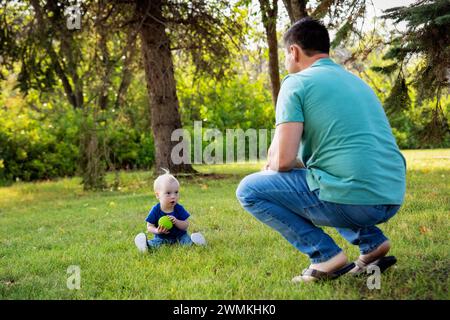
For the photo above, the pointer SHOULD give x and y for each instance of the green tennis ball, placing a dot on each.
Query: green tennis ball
(165, 222)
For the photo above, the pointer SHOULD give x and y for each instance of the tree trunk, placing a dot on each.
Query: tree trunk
(273, 62)
(296, 9)
(269, 19)
(159, 71)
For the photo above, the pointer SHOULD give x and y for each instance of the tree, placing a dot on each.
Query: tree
(199, 27)
(161, 85)
(83, 63)
(86, 63)
(427, 37)
(296, 9)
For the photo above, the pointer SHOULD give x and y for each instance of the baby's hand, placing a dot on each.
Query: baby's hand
(173, 219)
(162, 230)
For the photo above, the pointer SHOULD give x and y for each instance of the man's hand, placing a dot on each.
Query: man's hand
(299, 164)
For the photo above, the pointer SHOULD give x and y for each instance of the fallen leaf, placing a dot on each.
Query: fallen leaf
(423, 229)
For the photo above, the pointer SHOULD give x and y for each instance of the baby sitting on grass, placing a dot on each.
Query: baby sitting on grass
(166, 188)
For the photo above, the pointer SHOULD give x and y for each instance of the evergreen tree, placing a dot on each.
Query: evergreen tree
(428, 37)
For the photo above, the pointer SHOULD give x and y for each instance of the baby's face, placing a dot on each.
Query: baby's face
(168, 195)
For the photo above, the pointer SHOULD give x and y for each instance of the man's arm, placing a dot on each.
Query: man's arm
(282, 154)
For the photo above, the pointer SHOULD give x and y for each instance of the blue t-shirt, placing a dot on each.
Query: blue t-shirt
(347, 145)
(178, 212)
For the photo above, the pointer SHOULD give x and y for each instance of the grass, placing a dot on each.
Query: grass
(47, 226)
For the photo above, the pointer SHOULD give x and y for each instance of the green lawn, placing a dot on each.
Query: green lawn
(45, 227)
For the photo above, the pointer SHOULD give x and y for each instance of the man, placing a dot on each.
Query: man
(351, 175)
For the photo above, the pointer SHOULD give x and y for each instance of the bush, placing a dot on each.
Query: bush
(35, 147)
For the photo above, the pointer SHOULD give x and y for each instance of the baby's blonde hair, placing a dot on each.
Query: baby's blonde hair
(164, 178)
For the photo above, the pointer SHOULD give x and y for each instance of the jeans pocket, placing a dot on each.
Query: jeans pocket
(362, 215)
(327, 214)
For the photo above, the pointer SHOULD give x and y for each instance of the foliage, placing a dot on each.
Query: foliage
(408, 114)
(426, 38)
(236, 102)
(205, 33)
(41, 133)
(32, 147)
(43, 140)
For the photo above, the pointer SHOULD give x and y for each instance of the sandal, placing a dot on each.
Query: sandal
(321, 275)
(382, 263)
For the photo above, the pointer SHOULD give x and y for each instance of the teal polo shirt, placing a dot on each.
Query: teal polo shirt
(347, 144)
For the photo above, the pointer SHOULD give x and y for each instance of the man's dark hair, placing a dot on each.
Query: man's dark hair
(310, 35)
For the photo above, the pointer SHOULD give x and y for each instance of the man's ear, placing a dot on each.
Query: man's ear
(296, 52)
(292, 50)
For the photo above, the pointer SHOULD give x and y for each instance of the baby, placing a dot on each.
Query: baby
(166, 189)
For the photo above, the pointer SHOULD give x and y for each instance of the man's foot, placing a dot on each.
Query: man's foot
(141, 242)
(198, 239)
(331, 268)
(371, 257)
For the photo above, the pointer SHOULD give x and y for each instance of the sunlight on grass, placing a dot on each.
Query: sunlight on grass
(8, 194)
(232, 168)
(427, 160)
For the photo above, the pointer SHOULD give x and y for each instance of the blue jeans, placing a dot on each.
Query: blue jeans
(156, 242)
(283, 201)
